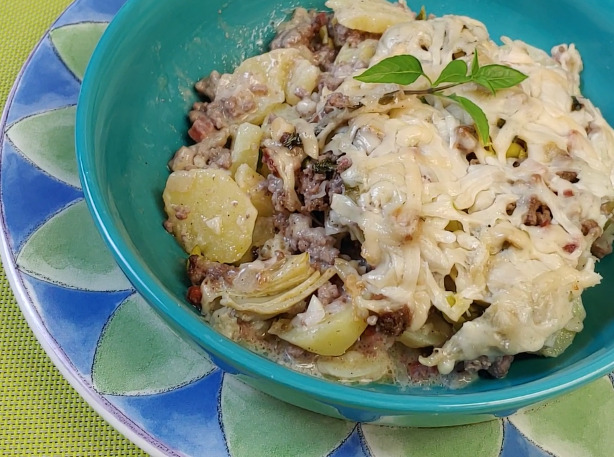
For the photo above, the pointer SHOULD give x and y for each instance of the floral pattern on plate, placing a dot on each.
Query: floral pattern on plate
(157, 389)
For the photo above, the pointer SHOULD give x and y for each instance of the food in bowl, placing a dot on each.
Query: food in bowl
(377, 231)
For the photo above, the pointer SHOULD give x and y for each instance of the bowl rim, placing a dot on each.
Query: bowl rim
(508, 398)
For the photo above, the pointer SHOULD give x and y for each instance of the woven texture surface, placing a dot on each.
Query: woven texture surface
(40, 413)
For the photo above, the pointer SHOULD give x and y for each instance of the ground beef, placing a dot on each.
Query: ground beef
(302, 30)
(200, 269)
(275, 186)
(500, 366)
(371, 341)
(330, 81)
(591, 228)
(394, 323)
(202, 126)
(312, 187)
(325, 58)
(227, 111)
(328, 293)
(211, 152)
(419, 373)
(496, 367)
(195, 296)
(318, 180)
(339, 101)
(342, 35)
(570, 176)
(601, 247)
(343, 163)
(538, 213)
(208, 86)
(467, 142)
(305, 31)
(335, 186)
(302, 237)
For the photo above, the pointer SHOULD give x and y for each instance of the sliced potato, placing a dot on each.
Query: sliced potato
(303, 79)
(354, 366)
(351, 54)
(245, 146)
(434, 332)
(373, 16)
(271, 277)
(270, 70)
(332, 336)
(264, 230)
(272, 305)
(207, 209)
(252, 183)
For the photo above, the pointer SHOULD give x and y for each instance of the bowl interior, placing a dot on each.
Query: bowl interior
(132, 117)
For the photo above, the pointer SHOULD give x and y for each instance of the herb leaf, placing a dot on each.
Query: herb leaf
(478, 116)
(454, 72)
(484, 82)
(475, 64)
(498, 76)
(403, 70)
(421, 16)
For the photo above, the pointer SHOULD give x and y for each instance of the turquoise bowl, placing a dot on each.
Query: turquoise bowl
(131, 117)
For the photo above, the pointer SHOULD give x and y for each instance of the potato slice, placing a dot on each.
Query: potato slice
(354, 366)
(245, 146)
(271, 305)
(252, 183)
(434, 332)
(206, 208)
(332, 336)
(302, 80)
(271, 71)
(373, 16)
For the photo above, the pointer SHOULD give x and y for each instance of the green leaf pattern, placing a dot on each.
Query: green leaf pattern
(68, 250)
(258, 425)
(48, 140)
(435, 442)
(138, 354)
(578, 424)
(75, 44)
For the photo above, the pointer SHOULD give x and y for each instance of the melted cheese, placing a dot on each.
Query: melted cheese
(410, 181)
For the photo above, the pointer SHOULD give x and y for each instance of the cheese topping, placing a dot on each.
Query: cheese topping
(425, 214)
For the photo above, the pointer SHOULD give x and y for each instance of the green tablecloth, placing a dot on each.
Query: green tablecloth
(40, 413)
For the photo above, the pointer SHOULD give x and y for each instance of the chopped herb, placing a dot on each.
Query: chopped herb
(322, 166)
(421, 16)
(386, 99)
(289, 140)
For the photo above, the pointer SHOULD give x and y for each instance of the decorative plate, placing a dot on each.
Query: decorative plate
(141, 377)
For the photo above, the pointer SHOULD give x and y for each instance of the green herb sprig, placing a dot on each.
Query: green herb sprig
(406, 69)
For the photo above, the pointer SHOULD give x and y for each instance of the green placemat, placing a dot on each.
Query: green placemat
(40, 413)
